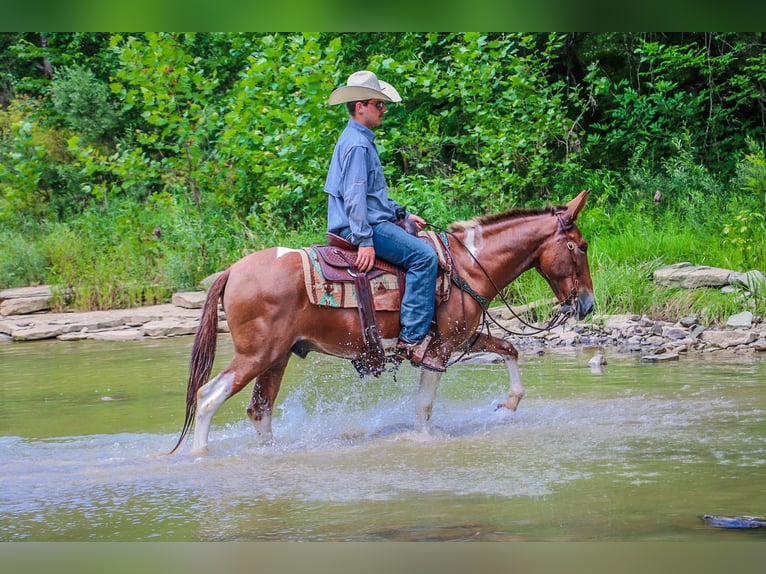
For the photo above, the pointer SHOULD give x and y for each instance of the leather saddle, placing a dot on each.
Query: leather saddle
(336, 259)
(337, 262)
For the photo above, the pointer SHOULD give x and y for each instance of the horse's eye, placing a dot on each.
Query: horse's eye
(584, 247)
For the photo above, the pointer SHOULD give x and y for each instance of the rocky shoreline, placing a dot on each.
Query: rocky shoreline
(652, 339)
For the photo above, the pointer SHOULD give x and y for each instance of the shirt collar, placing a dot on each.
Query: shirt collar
(365, 131)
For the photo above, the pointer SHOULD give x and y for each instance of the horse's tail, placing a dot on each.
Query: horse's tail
(203, 352)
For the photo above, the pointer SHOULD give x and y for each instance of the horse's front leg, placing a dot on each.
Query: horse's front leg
(510, 355)
(424, 400)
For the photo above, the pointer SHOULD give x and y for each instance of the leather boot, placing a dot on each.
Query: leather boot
(416, 354)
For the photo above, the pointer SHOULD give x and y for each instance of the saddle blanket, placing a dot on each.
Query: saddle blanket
(385, 287)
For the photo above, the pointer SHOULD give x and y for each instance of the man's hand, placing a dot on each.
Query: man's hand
(365, 258)
(419, 221)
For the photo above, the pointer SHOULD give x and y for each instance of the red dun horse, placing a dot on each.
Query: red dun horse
(270, 316)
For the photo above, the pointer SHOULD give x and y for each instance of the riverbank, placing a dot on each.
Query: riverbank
(653, 339)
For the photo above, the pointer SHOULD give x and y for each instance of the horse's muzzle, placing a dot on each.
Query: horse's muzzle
(579, 306)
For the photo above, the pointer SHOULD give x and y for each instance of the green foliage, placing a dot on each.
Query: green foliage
(132, 254)
(279, 132)
(83, 103)
(221, 141)
(23, 260)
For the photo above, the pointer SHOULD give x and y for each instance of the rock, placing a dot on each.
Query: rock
(689, 276)
(674, 333)
(38, 332)
(121, 335)
(597, 361)
(725, 339)
(661, 357)
(26, 292)
(754, 281)
(696, 331)
(23, 300)
(740, 320)
(688, 321)
(170, 328)
(189, 299)
(24, 305)
(209, 280)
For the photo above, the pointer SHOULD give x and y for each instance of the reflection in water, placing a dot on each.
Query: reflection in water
(636, 452)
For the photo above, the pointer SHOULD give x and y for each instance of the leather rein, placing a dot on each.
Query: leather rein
(558, 318)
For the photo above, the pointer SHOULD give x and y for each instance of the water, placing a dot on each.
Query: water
(637, 452)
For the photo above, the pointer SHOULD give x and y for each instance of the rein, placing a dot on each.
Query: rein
(558, 318)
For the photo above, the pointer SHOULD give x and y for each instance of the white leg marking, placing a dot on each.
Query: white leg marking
(210, 397)
(424, 400)
(263, 428)
(516, 390)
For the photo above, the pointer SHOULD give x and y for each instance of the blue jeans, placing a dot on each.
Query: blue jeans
(395, 245)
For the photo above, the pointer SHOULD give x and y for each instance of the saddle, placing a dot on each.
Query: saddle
(336, 260)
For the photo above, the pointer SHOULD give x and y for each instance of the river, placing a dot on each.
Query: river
(636, 452)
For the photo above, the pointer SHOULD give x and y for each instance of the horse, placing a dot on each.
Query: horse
(270, 316)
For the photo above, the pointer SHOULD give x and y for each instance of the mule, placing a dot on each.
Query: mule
(270, 316)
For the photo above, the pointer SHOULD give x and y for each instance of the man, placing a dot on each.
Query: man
(360, 211)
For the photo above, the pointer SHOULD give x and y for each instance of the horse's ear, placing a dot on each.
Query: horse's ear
(575, 206)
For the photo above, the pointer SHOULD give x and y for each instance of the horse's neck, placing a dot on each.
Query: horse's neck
(504, 249)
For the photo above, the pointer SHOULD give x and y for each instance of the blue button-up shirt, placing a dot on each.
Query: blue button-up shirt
(356, 187)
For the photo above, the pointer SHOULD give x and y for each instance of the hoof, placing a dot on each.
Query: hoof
(199, 451)
(512, 404)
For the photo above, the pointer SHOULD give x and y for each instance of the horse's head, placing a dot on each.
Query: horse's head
(563, 261)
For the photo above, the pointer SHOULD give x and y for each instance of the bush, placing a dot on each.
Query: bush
(83, 103)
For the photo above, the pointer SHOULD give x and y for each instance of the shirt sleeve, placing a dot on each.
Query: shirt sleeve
(354, 190)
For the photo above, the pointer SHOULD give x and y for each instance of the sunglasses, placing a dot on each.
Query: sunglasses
(378, 105)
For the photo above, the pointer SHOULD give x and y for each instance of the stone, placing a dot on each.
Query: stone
(169, 328)
(209, 280)
(661, 357)
(753, 280)
(38, 332)
(120, 335)
(597, 361)
(688, 276)
(740, 320)
(674, 332)
(24, 305)
(26, 292)
(189, 299)
(688, 321)
(696, 331)
(725, 339)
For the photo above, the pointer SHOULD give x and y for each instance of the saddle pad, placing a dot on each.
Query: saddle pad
(342, 294)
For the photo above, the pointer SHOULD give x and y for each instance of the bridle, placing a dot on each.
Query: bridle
(559, 317)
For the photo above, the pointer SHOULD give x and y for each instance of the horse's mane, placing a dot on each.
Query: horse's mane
(509, 214)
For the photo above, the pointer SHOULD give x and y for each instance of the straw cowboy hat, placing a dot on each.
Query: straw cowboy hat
(364, 85)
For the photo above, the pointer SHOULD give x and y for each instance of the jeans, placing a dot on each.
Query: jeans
(395, 245)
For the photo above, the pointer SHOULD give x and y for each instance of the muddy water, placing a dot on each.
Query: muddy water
(636, 452)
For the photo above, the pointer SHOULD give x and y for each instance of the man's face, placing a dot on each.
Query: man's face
(370, 114)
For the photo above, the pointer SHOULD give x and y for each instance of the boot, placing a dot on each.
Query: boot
(416, 354)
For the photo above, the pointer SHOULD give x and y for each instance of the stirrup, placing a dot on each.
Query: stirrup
(416, 354)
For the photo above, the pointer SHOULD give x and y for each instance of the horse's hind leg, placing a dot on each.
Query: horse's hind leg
(210, 397)
(510, 355)
(214, 393)
(264, 396)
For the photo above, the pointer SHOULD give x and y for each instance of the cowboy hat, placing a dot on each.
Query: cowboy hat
(364, 85)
